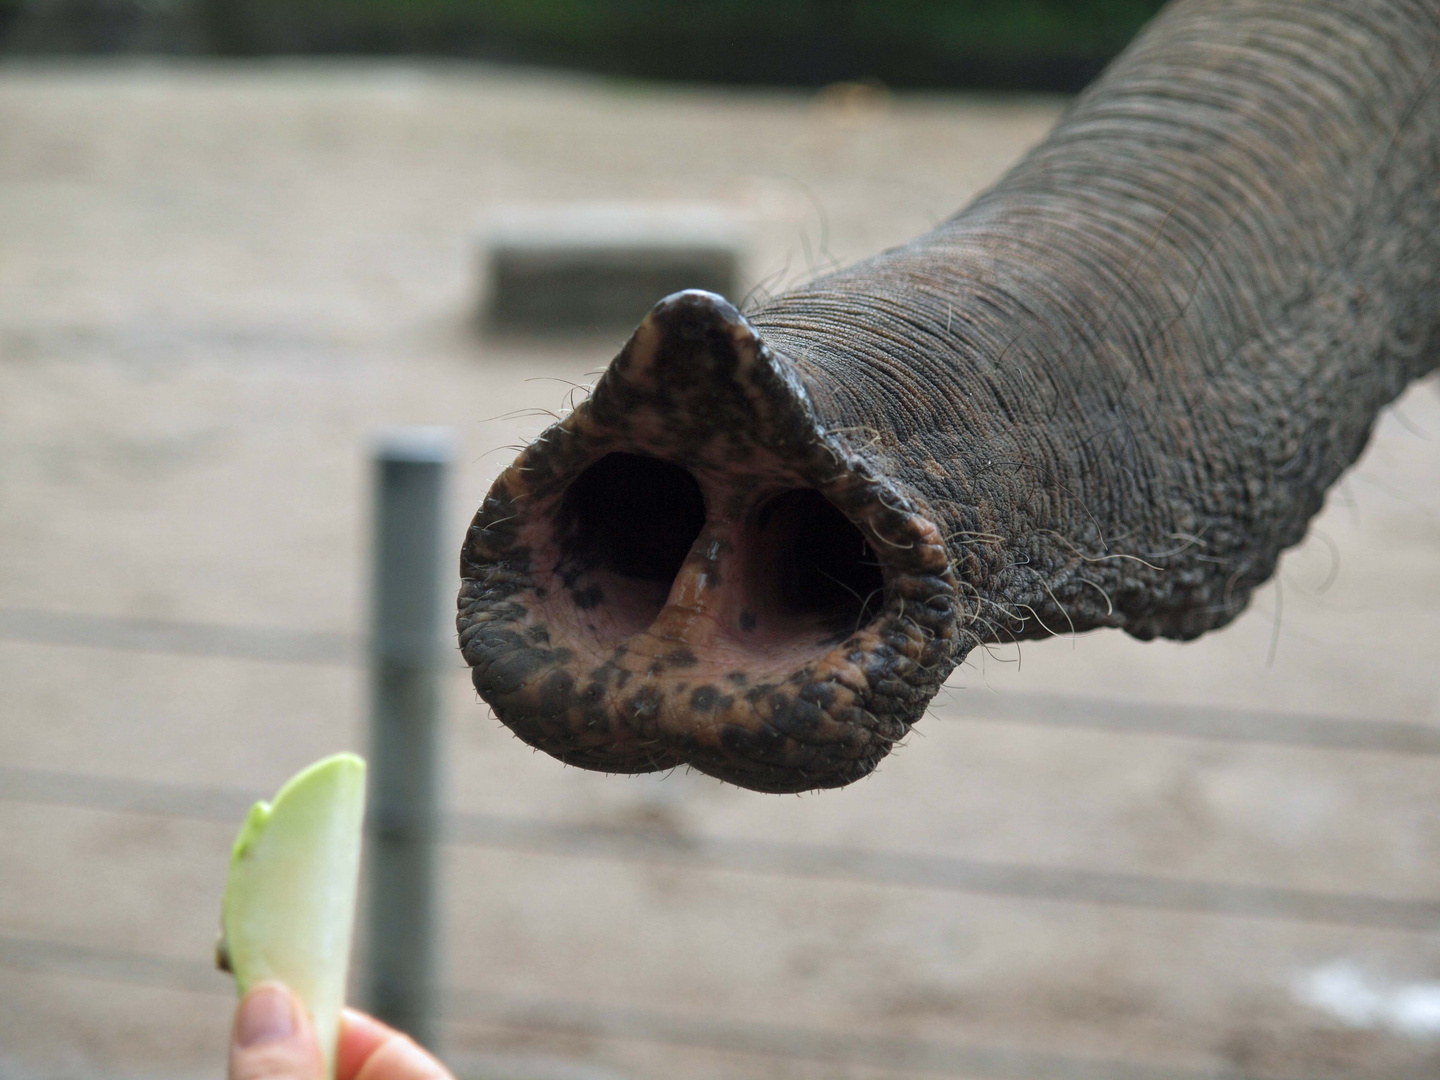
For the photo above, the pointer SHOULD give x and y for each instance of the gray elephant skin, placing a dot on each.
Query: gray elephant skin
(1110, 392)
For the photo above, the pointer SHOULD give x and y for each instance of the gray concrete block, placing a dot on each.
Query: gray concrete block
(600, 267)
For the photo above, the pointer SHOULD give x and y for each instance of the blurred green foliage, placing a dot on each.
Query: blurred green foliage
(1039, 44)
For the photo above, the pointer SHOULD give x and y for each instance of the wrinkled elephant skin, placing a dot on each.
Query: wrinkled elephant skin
(1108, 393)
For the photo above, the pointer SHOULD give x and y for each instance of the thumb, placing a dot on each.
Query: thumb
(272, 1039)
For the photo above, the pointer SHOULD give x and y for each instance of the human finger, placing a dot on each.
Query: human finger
(370, 1050)
(272, 1039)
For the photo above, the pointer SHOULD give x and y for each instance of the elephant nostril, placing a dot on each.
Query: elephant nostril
(625, 525)
(623, 529)
(808, 565)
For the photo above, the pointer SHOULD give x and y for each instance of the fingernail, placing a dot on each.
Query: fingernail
(266, 1015)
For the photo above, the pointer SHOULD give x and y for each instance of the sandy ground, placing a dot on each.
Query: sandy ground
(216, 283)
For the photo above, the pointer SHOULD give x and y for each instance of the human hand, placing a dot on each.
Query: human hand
(272, 1039)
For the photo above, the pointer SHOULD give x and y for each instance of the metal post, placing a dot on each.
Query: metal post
(411, 467)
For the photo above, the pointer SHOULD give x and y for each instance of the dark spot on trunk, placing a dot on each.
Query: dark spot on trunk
(587, 598)
(708, 699)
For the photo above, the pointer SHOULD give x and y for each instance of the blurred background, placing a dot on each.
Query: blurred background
(1012, 44)
(226, 262)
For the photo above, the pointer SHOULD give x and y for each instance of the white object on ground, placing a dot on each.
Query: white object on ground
(1360, 1000)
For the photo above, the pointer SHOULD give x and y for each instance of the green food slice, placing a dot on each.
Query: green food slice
(289, 906)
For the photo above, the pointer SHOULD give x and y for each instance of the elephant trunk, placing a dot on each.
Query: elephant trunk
(1109, 393)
